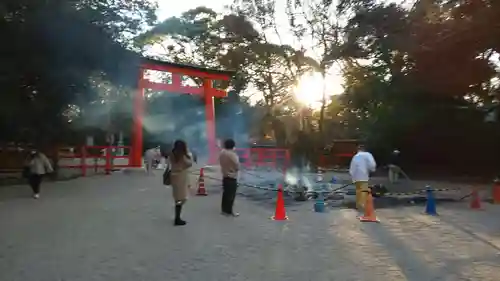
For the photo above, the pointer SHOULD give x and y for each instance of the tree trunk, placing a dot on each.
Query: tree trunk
(323, 104)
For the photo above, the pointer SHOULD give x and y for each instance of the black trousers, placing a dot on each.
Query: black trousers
(35, 182)
(229, 186)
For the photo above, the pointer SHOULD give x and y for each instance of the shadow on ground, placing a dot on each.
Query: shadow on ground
(395, 202)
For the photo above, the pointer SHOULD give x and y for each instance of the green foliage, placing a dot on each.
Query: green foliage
(202, 37)
(423, 73)
(54, 48)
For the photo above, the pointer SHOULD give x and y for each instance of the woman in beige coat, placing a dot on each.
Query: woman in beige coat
(180, 162)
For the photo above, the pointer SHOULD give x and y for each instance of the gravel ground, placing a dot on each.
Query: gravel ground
(120, 228)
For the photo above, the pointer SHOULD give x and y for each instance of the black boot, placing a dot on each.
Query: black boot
(178, 221)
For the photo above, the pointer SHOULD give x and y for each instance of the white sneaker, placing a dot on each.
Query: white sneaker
(36, 196)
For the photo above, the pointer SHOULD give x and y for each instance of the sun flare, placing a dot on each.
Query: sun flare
(309, 90)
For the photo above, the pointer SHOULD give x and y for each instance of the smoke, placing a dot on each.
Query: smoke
(234, 122)
(181, 116)
(170, 116)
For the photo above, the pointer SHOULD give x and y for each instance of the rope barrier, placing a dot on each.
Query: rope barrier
(239, 183)
(466, 196)
(420, 191)
(252, 174)
(271, 189)
(332, 191)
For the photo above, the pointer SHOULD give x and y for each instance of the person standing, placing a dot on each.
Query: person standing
(362, 164)
(230, 165)
(194, 159)
(394, 167)
(180, 162)
(37, 165)
(150, 156)
(300, 152)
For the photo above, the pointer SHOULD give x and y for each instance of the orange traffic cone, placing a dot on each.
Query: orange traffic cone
(475, 202)
(201, 184)
(280, 213)
(369, 215)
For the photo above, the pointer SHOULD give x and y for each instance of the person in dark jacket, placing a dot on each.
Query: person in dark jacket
(394, 167)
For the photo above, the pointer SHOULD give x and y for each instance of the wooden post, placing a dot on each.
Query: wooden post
(210, 119)
(136, 153)
(107, 150)
(83, 161)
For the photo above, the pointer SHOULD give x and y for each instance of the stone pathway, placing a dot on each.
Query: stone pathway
(119, 228)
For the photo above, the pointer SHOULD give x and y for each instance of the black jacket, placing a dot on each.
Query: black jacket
(395, 160)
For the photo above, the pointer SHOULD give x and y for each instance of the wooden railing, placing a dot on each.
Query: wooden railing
(98, 154)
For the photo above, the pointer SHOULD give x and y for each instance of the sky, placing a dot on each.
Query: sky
(167, 8)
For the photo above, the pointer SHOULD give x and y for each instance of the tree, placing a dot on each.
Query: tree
(54, 49)
(322, 22)
(420, 78)
(202, 37)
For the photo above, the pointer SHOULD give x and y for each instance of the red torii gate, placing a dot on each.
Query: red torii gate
(177, 71)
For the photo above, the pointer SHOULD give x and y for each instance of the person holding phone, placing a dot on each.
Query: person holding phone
(180, 161)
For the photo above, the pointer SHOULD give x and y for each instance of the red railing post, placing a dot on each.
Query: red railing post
(275, 158)
(248, 156)
(129, 158)
(210, 120)
(83, 161)
(259, 157)
(107, 168)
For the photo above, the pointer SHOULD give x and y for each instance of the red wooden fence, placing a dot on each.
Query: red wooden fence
(97, 152)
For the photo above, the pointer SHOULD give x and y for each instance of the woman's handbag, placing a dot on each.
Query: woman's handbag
(167, 175)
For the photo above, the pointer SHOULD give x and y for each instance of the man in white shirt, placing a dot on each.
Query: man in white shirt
(362, 164)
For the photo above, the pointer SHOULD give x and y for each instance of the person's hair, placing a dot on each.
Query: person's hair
(361, 147)
(179, 150)
(229, 144)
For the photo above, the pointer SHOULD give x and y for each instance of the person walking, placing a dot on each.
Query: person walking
(36, 166)
(179, 161)
(394, 167)
(362, 164)
(230, 165)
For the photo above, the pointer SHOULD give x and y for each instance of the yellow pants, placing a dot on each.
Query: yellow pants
(360, 195)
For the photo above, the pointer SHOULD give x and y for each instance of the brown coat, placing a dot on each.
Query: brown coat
(180, 177)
